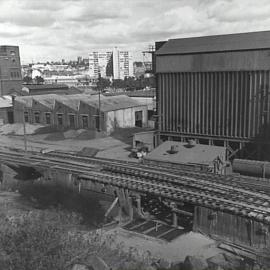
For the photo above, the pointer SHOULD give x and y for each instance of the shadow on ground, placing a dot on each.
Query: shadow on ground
(47, 196)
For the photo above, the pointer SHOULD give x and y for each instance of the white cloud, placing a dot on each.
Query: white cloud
(55, 29)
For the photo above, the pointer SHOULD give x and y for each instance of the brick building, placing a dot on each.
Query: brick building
(10, 70)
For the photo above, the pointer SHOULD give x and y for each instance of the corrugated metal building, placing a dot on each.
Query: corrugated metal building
(187, 156)
(80, 111)
(43, 89)
(215, 89)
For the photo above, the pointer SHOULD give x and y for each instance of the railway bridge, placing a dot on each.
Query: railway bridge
(233, 207)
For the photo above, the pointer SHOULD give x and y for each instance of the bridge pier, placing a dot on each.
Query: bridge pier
(125, 204)
(174, 214)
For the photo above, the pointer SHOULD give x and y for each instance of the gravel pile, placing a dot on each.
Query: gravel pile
(18, 129)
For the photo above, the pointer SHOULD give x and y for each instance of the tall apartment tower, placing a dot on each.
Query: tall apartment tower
(122, 64)
(10, 70)
(98, 62)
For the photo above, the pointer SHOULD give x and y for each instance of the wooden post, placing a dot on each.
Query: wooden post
(130, 208)
(139, 206)
(175, 220)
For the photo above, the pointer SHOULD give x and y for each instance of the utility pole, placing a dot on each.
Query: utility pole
(24, 132)
(99, 110)
(99, 103)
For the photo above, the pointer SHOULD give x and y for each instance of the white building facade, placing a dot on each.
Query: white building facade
(98, 61)
(122, 64)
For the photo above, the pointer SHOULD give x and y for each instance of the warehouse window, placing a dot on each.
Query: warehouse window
(84, 121)
(151, 114)
(26, 117)
(60, 119)
(72, 120)
(37, 117)
(48, 118)
(138, 119)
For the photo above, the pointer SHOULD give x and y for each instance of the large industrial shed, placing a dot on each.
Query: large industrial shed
(216, 89)
(81, 111)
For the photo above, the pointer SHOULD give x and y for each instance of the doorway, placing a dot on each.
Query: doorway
(138, 119)
(10, 117)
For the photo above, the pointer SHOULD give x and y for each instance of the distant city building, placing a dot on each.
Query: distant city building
(68, 80)
(122, 64)
(98, 62)
(79, 60)
(117, 64)
(10, 70)
(139, 69)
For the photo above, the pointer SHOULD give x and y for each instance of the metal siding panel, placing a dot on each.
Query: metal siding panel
(215, 116)
(204, 83)
(231, 112)
(268, 98)
(253, 102)
(212, 62)
(177, 101)
(211, 103)
(166, 101)
(199, 103)
(192, 107)
(219, 93)
(233, 108)
(250, 105)
(207, 104)
(245, 98)
(170, 108)
(188, 102)
(257, 101)
(236, 83)
(183, 103)
(196, 103)
(163, 102)
(224, 95)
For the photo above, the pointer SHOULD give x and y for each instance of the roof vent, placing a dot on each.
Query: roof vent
(190, 144)
(173, 150)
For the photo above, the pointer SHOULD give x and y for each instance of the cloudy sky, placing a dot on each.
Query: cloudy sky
(56, 29)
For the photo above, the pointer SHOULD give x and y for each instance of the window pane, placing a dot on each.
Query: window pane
(85, 121)
(72, 120)
(26, 118)
(48, 118)
(60, 119)
(37, 118)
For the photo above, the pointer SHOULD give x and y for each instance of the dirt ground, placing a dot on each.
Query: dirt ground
(108, 147)
(191, 243)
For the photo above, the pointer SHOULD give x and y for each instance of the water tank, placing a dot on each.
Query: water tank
(252, 167)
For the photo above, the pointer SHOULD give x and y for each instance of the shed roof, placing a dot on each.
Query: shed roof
(45, 86)
(46, 100)
(198, 154)
(217, 43)
(73, 102)
(26, 100)
(5, 101)
(113, 103)
(137, 93)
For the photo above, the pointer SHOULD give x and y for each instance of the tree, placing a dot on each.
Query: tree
(27, 80)
(103, 83)
(118, 83)
(39, 80)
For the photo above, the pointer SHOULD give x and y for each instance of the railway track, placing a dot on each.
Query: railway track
(244, 182)
(212, 191)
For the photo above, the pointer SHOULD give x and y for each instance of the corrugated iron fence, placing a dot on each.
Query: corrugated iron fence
(227, 104)
(232, 228)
